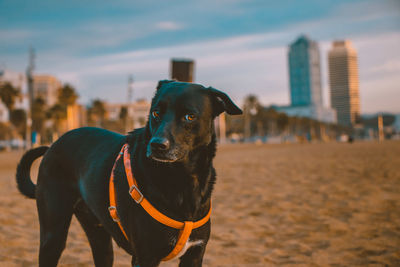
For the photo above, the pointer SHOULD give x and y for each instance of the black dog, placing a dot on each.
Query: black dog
(171, 159)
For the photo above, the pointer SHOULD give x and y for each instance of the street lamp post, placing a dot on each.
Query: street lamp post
(29, 75)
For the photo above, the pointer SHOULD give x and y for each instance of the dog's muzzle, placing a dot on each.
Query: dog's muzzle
(159, 144)
(159, 149)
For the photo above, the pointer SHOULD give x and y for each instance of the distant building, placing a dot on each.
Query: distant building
(47, 88)
(396, 124)
(182, 70)
(76, 117)
(319, 113)
(305, 72)
(305, 82)
(137, 112)
(343, 81)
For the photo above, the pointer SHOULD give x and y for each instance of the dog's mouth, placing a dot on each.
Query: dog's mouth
(162, 156)
(165, 160)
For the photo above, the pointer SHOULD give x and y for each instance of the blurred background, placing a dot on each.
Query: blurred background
(309, 175)
(309, 70)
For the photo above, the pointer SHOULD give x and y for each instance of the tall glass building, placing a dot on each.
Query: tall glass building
(305, 73)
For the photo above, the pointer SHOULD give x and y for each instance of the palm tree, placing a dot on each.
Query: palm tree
(251, 109)
(8, 95)
(270, 117)
(123, 117)
(97, 112)
(67, 95)
(282, 122)
(18, 119)
(5, 131)
(57, 114)
(38, 114)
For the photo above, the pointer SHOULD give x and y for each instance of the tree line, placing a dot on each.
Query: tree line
(41, 113)
(257, 121)
(262, 122)
(49, 121)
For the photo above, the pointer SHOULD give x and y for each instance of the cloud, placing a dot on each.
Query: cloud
(11, 36)
(238, 65)
(169, 26)
(234, 64)
(390, 66)
(246, 64)
(100, 54)
(379, 68)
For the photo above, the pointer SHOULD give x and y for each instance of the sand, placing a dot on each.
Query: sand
(274, 205)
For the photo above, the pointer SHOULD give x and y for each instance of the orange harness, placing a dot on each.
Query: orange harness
(184, 227)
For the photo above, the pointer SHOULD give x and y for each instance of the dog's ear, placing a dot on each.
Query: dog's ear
(222, 102)
(162, 82)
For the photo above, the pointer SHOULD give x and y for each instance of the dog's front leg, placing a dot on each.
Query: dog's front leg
(144, 263)
(193, 257)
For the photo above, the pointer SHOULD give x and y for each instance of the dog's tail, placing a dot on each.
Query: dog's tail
(24, 181)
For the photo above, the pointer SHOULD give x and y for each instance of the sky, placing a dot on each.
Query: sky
(239, 46)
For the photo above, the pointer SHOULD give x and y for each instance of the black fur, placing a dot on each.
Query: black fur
(171, 161)
(24, 182)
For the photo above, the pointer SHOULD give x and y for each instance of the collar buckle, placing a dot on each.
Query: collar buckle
(113, 213)
(136, 194)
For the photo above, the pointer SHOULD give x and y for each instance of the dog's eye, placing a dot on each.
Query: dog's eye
(190, 117)
(155, 114)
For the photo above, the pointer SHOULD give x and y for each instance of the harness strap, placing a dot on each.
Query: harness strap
(113, 204)
(183, 237)
(184, 227)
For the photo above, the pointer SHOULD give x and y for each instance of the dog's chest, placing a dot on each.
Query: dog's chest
(189, 243)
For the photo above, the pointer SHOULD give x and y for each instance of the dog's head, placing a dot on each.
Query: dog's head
(181, 119)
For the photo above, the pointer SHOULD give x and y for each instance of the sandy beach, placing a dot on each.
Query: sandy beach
(330, 204)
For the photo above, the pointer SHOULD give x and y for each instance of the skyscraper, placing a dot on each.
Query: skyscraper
(343, 80)
(182, 70)
(305, 82)
(305, 73)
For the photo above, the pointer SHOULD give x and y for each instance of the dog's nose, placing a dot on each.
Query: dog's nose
(159, 143)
